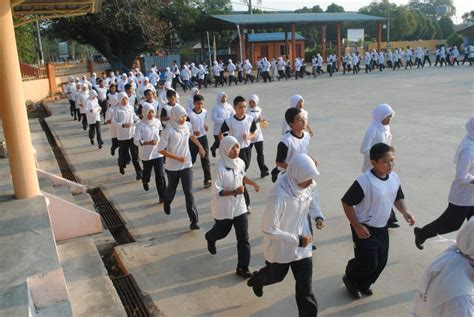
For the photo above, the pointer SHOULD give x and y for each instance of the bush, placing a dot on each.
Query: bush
(455, 40)
(187, 55)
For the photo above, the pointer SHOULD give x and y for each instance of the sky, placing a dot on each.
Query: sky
(462, 6)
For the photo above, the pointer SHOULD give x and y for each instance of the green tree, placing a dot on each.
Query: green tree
(447, 27)
(331, 30)
(468, 17)
(25, 43)
(429, 7)
(454, 40)
(312, 35)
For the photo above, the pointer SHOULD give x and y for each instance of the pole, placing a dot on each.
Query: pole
(40, 46)
(339, 53)
(240, 42)
(250, 6)
(214, 45)
(209, 49)
(388, 26)
(13, 112)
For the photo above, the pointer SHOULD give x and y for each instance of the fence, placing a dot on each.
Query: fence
(41, 82)
(161, 62)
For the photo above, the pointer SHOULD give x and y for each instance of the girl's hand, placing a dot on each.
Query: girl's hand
(319, 224)
(181, 159)
(257, 188)
(409, 218)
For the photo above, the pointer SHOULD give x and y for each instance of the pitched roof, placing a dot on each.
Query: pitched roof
(275, 20)
(271, 37)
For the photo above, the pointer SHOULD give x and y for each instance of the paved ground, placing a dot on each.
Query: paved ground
(172, 265)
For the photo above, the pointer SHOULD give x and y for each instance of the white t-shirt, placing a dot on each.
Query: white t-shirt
(256, 114)
(462, 191)
(379, 196)
(237, 128)
(228, 207)
(295, 145)
(146, 133)
(124, 115)
(178, 144)
(92, 110)
(198, 120)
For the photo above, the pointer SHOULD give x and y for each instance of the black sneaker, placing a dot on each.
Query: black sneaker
(213, 152)
(314, 247)
(194, 226)
(207, 184)
(264, 174)
(138, 177)
(244, 272)
(112, 151)
(418, 239)
(355, 293)
(160, 201)
(211, 247)
(166, 208)
(92, 141)
(122, 170)
(100, 145)
(367, 291)
(145, 186)
(258, 290)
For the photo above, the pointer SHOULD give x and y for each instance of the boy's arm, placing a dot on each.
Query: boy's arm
(361, 230)
(402, 208)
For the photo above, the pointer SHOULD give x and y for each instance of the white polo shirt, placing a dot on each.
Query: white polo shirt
(178, 144)
(198, 121)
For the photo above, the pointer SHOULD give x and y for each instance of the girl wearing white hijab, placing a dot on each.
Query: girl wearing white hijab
(190, 103)
(147, 138)
(461, 194)
(378, 132)
(174, 144)
(255, 112)
(228, 204)
(297, 101)
(93, 110)
(286, 233)
(446, 288)
(219, 113)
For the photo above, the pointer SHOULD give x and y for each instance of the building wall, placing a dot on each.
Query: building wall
(35, 90)
(272, 50)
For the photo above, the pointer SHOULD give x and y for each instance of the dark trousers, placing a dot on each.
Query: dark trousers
(103, 107)
(466, 58)
(232, 79)
(94, 129)
(216, 143)
(281, 74)
(218, 81)
(246, 154)
(260, 157)
(115, 145)
(186, 177)
(370, 257)
(248, 77)
(72, 108)
(426, 59)
(126, 150)
(84, 121)
(221, 229)
(206, 165)
(157, 165)
(451, 220)
(77, 114)
(302, 271)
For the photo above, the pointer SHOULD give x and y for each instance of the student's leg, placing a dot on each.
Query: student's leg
(206, 165)
(92, 132)
(115, 145)
(146, 172)
(72, 107)
(186, 176)
(261, 158)
(122, 160)
(219, 230)
(305, 299)
(84, 121)
(134, 155)
(271, 273)
(215, 145)
(451, 220)
(173, 180)
(243, 246)
(160, 180)
(382, 240)
(194, 151)
(99, 134)
(361, 268)
(392, 220)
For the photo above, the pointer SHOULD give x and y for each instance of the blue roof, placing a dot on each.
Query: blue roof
(276, 20)
(271, 37)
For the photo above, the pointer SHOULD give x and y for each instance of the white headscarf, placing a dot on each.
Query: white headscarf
(255, 98)
(193, 91)
(92, 93)
(381, 112)
(226, 144)
(294, 100)
(176, 113)
(219, 98)
(468, 141)
(145, 110)
(450, 275)
(300, 169)
(121, 95)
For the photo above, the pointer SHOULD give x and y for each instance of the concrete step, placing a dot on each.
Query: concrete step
(91, 291)
(31, 277)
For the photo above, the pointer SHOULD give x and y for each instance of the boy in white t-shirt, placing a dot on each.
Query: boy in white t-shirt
(367, 205)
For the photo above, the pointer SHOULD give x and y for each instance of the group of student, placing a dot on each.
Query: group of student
(167, 138)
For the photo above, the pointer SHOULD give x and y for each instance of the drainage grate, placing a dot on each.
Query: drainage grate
(64, 167)
(130, 296)
(110, 215)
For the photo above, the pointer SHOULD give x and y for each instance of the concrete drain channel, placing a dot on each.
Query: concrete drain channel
(125, 285)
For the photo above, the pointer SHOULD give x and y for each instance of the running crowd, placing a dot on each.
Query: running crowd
(154, 132)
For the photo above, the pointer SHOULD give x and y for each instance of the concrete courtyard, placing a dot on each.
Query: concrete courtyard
(172, 265)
